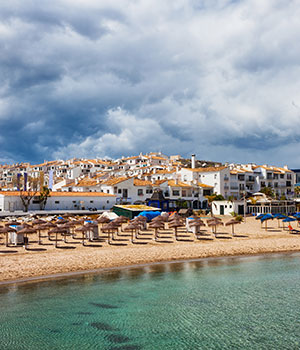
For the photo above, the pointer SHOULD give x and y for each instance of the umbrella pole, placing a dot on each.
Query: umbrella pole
(56, 240)
(6, 239)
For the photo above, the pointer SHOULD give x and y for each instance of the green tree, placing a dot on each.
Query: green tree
(45, 193)
(214, 197)
(268, 191)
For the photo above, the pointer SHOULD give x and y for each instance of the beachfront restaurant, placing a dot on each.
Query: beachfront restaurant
(272, 207)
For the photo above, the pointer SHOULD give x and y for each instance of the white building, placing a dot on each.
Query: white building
(216, 177)
(11, 201)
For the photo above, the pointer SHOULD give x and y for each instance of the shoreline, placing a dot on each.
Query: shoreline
(47, 262)
(38, 279)
(75, 273)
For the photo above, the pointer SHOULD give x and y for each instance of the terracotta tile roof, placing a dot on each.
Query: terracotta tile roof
(282, 170)
(157, 158)
(139, 182)
(207, 170)
(204, 185)
(159, 182)
(86, 182)
(62, 194)
(115, 180)
(172, 183)
(165, 171)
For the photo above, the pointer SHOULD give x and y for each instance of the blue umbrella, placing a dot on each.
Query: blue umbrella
(288, 219)
(259, 216)
(265, 218)
(279, 217)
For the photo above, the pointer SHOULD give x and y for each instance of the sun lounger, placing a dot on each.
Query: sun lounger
(293, 231)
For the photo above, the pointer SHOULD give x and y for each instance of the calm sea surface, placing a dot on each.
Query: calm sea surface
(232, 303)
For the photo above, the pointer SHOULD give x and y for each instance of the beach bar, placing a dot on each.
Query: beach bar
(130, 211)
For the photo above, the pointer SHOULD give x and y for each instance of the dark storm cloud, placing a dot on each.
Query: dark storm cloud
(90, 78)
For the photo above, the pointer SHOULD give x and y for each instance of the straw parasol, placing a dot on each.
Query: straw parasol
(57, 230)
(214, 222)
(38, 222)
(103, 220)
(197, 223)
(83, 230)
(26, 231)
(157, 225)
(61, 221)
(232, 222)
(5, 231)
(13, 222)
(175, 224)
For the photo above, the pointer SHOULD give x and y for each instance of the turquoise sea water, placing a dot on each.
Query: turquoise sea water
(230, 303)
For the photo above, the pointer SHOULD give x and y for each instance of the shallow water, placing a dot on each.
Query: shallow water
(230, 303)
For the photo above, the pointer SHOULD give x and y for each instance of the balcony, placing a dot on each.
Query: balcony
(226, 178)
(232, 187)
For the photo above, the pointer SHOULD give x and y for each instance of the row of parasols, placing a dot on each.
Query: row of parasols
(162, 229)
(280, 217)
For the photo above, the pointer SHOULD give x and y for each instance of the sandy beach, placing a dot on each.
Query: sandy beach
(18, 264)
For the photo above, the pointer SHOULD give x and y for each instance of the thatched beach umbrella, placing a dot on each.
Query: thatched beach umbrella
(103, 220)
(232, 222)
(6, 230)
(38, 222)
(111, 228)
(56, 230)
(12, 223)
(197, 224)
(175, 224)
(157, 225)
(83, 229)
(214, 223)
(26, 231)
(61, 221)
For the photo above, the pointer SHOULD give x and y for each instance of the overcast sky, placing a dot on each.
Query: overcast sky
(93, 78)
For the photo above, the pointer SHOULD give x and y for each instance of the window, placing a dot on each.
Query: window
(91, 201)
(119, 190)
(107, 201)
(175, 193)
(149, 190)
(107, 191)
(140, 192)
(56, 202)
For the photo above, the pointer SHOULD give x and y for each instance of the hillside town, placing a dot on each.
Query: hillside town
(168, 182)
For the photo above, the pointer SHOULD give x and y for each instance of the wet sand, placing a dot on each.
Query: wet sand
(17, 263)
